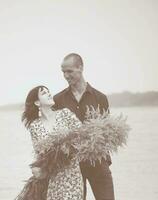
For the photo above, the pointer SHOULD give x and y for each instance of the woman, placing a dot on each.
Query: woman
(42, 121)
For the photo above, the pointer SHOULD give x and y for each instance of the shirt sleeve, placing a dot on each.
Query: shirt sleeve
(35, 136)
(104, 104)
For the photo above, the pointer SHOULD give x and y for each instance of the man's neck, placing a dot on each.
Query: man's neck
(79, 87)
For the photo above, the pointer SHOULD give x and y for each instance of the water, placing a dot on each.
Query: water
(134, 168)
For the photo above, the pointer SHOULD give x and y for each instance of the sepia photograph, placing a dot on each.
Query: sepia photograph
(79, 100)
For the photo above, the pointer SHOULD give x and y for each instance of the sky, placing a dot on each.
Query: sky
(117, 39)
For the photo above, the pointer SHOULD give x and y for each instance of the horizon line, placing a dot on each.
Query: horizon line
(125, 91)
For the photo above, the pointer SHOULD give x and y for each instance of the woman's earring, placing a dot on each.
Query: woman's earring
(39, 112)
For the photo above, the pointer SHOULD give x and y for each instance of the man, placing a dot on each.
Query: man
(77, 97)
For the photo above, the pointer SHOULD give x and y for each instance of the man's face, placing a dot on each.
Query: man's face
(72, 73)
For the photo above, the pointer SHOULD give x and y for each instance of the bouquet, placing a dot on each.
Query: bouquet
(99, 135)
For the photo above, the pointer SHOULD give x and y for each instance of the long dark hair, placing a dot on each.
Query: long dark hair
(31, 110)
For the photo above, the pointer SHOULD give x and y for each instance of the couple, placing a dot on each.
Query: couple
(46, 115)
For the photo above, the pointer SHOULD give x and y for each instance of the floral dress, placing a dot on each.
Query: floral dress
(68, 183)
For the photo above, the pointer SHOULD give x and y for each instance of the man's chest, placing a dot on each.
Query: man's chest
(79, 107)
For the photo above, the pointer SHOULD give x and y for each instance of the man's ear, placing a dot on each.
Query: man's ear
(37, 103)
(79, 68)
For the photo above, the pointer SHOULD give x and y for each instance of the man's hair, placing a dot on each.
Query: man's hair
(76, 57)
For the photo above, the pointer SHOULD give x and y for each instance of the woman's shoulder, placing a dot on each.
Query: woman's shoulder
(65, 112)
(69, 117)
(35, 124)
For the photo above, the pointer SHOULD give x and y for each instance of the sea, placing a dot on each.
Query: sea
(134, 167)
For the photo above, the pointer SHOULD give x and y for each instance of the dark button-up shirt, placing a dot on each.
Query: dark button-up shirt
(91, 97)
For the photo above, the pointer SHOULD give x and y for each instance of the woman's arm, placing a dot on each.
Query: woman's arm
(36, 138)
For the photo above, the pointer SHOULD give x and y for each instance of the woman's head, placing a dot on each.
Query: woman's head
(37, 98)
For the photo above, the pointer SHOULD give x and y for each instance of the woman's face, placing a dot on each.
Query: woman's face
(45, 98)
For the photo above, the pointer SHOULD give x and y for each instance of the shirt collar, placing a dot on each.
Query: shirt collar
(88, 88)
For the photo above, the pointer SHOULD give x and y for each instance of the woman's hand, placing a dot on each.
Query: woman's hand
(38, 173)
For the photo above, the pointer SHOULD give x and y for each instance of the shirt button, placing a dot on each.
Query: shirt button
(78, 107)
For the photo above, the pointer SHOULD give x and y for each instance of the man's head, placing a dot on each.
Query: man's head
(72, 67)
